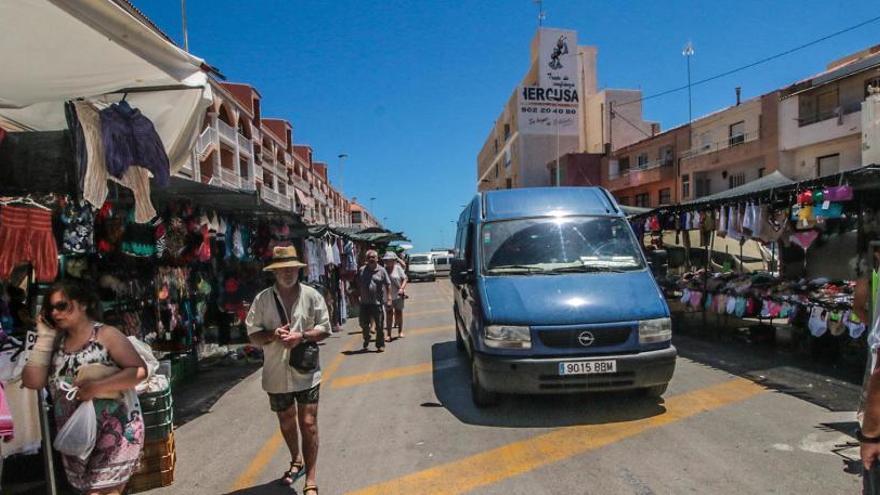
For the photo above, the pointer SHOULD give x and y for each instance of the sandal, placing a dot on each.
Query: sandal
(297, 470)
(310, 488)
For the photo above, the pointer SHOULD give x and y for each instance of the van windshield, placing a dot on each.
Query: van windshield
(419, 260)
(559, 245)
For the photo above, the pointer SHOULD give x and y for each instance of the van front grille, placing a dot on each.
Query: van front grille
(570, 339)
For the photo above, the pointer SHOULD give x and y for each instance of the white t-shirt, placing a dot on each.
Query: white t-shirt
(398, 276)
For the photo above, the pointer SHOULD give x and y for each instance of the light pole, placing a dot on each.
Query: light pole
(372, 211)
(342, 157)
(558, 173)
(688, 52)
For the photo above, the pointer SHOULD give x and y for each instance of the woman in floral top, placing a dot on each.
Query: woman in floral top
(73, 340)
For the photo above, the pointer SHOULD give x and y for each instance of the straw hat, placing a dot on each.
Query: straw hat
(284, 257)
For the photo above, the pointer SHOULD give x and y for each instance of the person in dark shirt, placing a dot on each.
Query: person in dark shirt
(374, 286)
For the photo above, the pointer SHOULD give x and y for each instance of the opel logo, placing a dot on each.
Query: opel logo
(586, 339)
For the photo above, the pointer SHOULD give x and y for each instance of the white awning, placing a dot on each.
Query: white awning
(58, 50)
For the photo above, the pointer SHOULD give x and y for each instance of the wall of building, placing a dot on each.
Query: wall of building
(600, 128)
(802, 163)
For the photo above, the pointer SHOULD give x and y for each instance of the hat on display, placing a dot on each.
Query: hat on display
(389, 256)
(284, 257)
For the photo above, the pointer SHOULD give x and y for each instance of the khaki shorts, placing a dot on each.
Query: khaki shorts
(283, 402)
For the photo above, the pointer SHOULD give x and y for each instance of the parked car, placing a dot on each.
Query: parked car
(554, 295)
(421, 267)
(441, 264)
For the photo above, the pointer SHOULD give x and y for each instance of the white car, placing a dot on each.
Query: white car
(421, 267)
(441, 264)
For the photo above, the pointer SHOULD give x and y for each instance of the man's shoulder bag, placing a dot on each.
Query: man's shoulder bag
(304, 357)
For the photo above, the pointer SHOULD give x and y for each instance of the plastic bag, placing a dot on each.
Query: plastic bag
(146, 353)
(78, 435)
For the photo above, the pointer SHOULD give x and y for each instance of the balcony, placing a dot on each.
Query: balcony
(245, 145)
(248, 184)
(230, 179)
(656, 171)
(319, 196)
(301, 184)
(275, 199)
(204, 142)
(281, 171)
(287, 158)
(730, 142)
(227, 132)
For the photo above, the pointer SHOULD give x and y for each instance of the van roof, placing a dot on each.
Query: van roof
(541, 201)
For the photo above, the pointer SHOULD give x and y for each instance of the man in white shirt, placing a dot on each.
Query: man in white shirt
(293, 394)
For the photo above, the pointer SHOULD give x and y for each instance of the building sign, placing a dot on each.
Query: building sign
(551, 107)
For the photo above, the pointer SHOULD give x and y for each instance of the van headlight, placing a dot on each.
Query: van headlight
(654, 331)
(508, 337)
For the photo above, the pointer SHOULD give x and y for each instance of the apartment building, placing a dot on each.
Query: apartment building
(645, 173)
(361, 217)
(730, 147)
(820, 118)
(240, 150)
(554, 111)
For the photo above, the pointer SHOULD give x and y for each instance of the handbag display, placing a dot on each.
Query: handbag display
(304, 357)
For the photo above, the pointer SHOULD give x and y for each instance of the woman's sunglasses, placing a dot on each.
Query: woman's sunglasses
(60, 306)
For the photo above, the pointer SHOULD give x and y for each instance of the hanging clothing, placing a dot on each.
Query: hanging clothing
(79, 229)
(130, 139)
(26, 236)
(94, 186)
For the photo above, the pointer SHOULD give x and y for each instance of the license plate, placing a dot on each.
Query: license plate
(587, 367)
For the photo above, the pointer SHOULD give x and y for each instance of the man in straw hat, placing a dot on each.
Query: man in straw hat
(293, 395)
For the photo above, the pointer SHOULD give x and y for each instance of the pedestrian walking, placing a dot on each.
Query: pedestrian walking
(374, 287)
(71, 345)
(399, 281)
(287, 320)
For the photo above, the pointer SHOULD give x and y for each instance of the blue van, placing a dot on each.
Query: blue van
(554, 295)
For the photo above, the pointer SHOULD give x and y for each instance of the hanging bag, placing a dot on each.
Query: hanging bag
(304, 357)
(77, 436)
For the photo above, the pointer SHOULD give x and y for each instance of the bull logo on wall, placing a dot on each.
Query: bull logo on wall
(559, 50)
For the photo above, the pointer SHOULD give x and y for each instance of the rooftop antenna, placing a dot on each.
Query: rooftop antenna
(541, 14)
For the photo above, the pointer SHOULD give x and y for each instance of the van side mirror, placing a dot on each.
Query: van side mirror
(459, 273)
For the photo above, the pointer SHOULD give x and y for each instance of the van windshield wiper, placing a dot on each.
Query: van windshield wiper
(517, 268)
(586, 269)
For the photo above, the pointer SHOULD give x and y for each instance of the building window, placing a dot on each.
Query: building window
(496, 170)
(509, 183)
(736, 180)
(506, 132)
(665, 196)
(665, 155)
(761, 172)
(827, 165)
(703, 186)
(356, 217)
(643, 200)
(496, 146)
(817, 106)
(737, 133)
(875, 82)
(623, 165)
(686, 186)
(643, 160)
(507, 158)
(624, 200)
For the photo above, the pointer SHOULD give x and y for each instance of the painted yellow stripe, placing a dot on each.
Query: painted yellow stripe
(422, 331)
(264, 457)
(355, 380)
(520, 457)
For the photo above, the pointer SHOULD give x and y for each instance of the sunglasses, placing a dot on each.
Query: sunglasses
(60, 306)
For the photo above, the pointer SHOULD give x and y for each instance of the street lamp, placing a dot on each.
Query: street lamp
(688, 52)
(342, 157)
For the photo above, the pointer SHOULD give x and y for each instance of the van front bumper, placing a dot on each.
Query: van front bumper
(515, 375)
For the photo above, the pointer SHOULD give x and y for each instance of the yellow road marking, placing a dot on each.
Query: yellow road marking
(421, 331)
(517, 458)
(276, 441)
(355, 380)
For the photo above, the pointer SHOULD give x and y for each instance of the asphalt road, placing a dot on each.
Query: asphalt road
(402, 423)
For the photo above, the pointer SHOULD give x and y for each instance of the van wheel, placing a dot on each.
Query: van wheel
(654, 392)
(481, 396)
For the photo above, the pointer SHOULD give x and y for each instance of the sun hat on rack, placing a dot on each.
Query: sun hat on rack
(284, 257)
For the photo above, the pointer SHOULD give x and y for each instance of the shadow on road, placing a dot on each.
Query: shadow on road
(835, 388)
(452, 388)
(197, 397)
(270, 488)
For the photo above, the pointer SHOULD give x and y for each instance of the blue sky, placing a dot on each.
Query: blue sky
(409, 90)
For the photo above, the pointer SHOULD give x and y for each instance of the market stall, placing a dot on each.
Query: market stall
(775, 251)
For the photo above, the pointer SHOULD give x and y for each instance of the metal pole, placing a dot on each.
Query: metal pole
(183, 18)
(688, 52)
(558, 172)
(342, 157)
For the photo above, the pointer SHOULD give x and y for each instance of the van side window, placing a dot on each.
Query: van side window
(469, 243)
